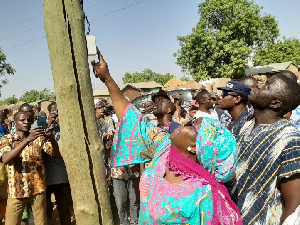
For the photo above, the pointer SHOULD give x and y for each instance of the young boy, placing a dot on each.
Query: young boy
(23, 153)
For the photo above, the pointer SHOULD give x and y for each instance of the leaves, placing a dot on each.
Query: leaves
(5, 68)
(9, 101)
(227, 33)
(283, 51)
(34, 95)
(145, 76)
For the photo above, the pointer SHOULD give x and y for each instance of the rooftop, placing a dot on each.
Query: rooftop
(271, 68)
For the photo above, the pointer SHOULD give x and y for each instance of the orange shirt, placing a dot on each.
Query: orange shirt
(26, 174)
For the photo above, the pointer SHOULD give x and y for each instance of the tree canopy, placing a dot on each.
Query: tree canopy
(34, 95)
(283, 51)
(145, 76)
(227, 33)
(30, 96)
(184, 78)
(9, 101)
(5, 68)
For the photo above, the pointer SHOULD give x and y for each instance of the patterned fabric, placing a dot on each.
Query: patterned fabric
(225, 210)
(216, 150)
(236, 125)
(267, 154)
(224, 117)
(26, 174)
(172, 203)
(102, 127)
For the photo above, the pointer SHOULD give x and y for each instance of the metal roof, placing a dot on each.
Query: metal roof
(138, 86)
(271, 68)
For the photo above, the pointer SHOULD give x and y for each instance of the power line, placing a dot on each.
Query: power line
(110, 13)
(25, 43)
(35, 17)
(109, 50)
(17, 34)
(154, 31)
(132, 39)
(117, 10)
(156, 26)
(100, 3)
(6, 28)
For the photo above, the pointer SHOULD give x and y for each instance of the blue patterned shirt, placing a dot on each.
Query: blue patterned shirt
(266, 154)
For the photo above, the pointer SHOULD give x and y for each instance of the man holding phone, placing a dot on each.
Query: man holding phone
(23, 153)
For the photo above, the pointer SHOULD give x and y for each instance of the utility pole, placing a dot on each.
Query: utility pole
(80, 144)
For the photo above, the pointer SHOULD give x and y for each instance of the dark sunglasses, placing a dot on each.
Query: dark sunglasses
(191, 123)
(224, 94)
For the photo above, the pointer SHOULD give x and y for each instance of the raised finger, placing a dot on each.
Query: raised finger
(101, 59)
(98, 53)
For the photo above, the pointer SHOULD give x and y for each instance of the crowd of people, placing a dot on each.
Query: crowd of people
(232, 158)
(32, 168)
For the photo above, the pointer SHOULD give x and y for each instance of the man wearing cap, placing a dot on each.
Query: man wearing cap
(160, 95)
(235, 99)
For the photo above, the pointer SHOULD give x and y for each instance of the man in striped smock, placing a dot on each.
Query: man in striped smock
(267, 183)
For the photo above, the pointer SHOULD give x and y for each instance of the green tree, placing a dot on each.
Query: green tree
(283, 51)
(184, 78)
(5, 68)
(145, 76)
(9, 101)
(227, 33)
(34, 95)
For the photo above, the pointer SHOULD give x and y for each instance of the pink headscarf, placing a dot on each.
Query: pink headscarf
(225, 210)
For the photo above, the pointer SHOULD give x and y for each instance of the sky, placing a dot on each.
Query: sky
(132, 35)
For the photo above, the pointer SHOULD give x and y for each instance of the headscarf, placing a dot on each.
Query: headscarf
(216, 153)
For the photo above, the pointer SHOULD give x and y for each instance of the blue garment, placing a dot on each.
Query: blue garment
(224, 117)
(295, 117)
(267, 154)
(168, 203)
(174, 125)
(236, 125)
(3, 130)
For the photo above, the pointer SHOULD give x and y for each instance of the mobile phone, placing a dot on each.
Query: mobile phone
(91, 45)
(41, 121)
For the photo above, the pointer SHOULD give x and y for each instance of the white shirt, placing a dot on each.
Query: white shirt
(213, 114)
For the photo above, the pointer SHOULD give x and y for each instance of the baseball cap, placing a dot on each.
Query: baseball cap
(236, 87)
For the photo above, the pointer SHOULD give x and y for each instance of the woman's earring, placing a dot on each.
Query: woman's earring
(190, 149)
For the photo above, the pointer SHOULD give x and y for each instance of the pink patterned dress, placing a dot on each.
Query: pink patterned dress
(189, 202)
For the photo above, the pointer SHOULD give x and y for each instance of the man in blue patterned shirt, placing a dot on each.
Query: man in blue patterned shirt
(267, 183)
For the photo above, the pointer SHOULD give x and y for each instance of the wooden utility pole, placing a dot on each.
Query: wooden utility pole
(80, 144)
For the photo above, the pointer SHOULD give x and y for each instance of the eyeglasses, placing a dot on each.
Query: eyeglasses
(224, 94)
(191, 123)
